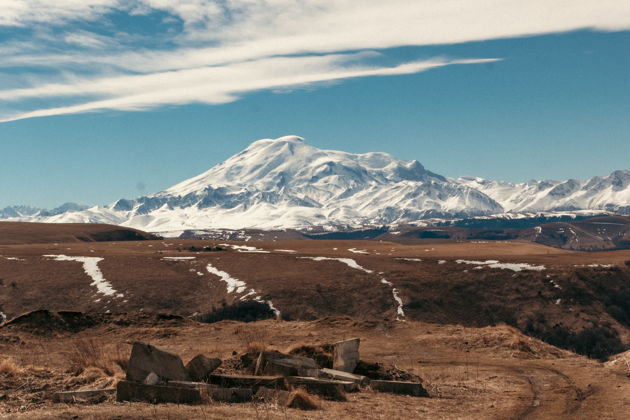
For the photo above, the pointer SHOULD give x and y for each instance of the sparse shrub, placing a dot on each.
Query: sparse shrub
(89, 353)
(247, 311)
(254, 339)
(302, 400)
(9, 367)
(322, 354)
(597, 342)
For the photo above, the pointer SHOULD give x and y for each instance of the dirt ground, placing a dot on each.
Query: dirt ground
(470, 373)
(453, 334)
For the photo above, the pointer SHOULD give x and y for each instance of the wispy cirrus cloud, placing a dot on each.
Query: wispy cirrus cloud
(214, 51)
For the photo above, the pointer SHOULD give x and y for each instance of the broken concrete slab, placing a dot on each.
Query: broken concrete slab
(135, 391)
(146, 358)
(326, 388)
(230, 395)
(200, 367)
(290, 366)
(346, 355)
(212, 392)
(340, 375)
(398, 387)
(92, 395)
(248, 381)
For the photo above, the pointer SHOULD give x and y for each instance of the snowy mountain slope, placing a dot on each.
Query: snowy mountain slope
(608, 193)
(287, 183)
(29, 212)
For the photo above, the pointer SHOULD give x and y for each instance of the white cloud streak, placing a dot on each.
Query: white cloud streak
(227, 48)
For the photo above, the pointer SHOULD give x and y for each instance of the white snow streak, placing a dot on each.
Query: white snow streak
(503, 266)
(12, 258)
(90, 266)
(289, 251)
(400, 312)
(238, 286)
(353, 264)
(245, 248)
(358, 251)
(178, 258)
(347, 261)
(410, 259)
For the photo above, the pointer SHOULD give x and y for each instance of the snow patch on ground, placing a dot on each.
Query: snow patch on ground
(347, 261)
(410, 259)
(503, 266)
(3, 317)
(245, 248)
(90, 266)
(178, 258)
(358, 251)
(238, 286)
(12, 258)
(400, 312)
(288, 251)
(442, 262)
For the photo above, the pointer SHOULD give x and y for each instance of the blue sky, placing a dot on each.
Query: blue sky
(108, 99)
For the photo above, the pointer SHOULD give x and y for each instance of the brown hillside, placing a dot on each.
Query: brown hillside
(12, 233)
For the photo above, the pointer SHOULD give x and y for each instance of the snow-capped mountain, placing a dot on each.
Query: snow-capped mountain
(287, 183)
(607, 193)
(25, 212)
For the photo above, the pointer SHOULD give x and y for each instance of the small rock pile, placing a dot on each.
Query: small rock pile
(157, 376)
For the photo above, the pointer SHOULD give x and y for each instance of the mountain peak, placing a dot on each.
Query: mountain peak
(288, 183)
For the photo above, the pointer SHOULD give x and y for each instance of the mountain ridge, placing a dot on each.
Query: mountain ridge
(287, 183)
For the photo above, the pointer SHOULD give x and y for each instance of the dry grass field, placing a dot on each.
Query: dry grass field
(475, 320)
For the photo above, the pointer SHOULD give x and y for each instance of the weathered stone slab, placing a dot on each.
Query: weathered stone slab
(230, 395)
(346, 355)
(290, 366)
(328, 389)
(200, 367)
(248, 381)
(146, 358)
(340, 375)
(92, 395)
(212, 392)
(397, 387)
(135, 391)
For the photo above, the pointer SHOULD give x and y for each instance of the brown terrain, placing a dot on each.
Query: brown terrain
(495, 329)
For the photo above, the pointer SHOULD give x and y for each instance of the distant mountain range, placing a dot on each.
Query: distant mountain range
(287, 183)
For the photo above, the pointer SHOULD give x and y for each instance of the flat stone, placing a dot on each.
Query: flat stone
(230, 395)
(343, 376)
(200, 367)
(397, 387)
(135, 391)
(212, 392)
(290, 366)
(146, 358)
(248, 381)
(346, 355)
(92, 395)
(326, 388)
